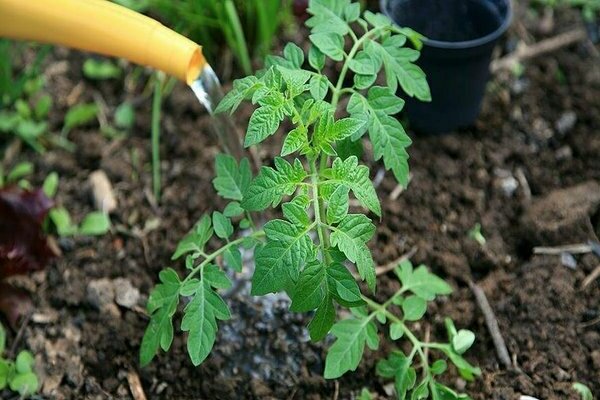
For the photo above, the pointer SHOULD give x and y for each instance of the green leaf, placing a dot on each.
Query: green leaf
(350, 236)
(365, 394)
(384, 100)
(421, 282)
(233, 209)
(62, 221)
(365, 64)
(26, 384)
(296, 213)
(100, 69)
(242, 89)
(296, 140)
(445, 393)
(345, 291)
(396, 331)
(80, 114)
(356, 177)
(295, 80)
(346, 352)
(4, 373)
(328, 16)
(294, 54)
(264, 122)
(96, 223)
(280, 260)
(397, 366)
(364, 81)
(20, 171)
(399, 67)
(316, 58)
(328, 131)
(319, 86)
(24, 362)
(463, 341)
(377, 20)
(323, 320)
(583, 390)
(215, 277)
(200, 320)
(232, 180)
(50, 185)
(222, 225)
(162, 305)
(331, 44)
(195, 240)
(352, 12)
(386, 133)
(309, 291)
(233, 258)
(125, 116)
(413, 308)
(439, 367)
(466, 370)
(421, 392)
(42, 107)
(337, 208)
(269, 187)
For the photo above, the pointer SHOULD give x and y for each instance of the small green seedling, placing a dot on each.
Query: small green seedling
(96, 69)
(583, 390)
(476, 235)
(308, 252)
(18, 375)
(96, 223)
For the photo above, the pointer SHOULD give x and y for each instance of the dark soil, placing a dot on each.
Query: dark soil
(521, 146)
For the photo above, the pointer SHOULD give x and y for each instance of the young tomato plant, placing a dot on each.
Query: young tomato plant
(308, 251)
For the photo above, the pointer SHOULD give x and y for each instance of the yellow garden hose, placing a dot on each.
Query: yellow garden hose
(102, 27)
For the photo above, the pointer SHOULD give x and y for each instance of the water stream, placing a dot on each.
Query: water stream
(209, 92)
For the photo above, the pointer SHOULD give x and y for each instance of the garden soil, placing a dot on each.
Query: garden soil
(538, 136)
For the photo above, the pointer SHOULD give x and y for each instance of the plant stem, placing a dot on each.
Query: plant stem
(155, 133)
(318, 208)
(220, 251)
(407, 332)
(353, 51)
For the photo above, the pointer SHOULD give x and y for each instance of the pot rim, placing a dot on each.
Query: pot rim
(465, 44)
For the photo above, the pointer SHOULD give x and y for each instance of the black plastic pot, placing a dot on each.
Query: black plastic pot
(461, 35)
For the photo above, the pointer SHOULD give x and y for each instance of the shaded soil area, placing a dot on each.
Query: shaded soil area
(538, 133)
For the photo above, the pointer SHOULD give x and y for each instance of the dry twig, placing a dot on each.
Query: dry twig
(524, 184)
(384, 269)
(135, 386)
(549, 45)
(595, 274)
(569, 248)
(492, 324)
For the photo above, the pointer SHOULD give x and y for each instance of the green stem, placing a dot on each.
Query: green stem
(155, 133)
(318, 208)
(220, 251)
(353, 51)
(407, 332)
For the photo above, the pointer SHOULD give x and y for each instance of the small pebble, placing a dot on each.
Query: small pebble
(566, 122)
(100, 293)
(126, 295)
(568, 260)
(564, 153)
(102, 192)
